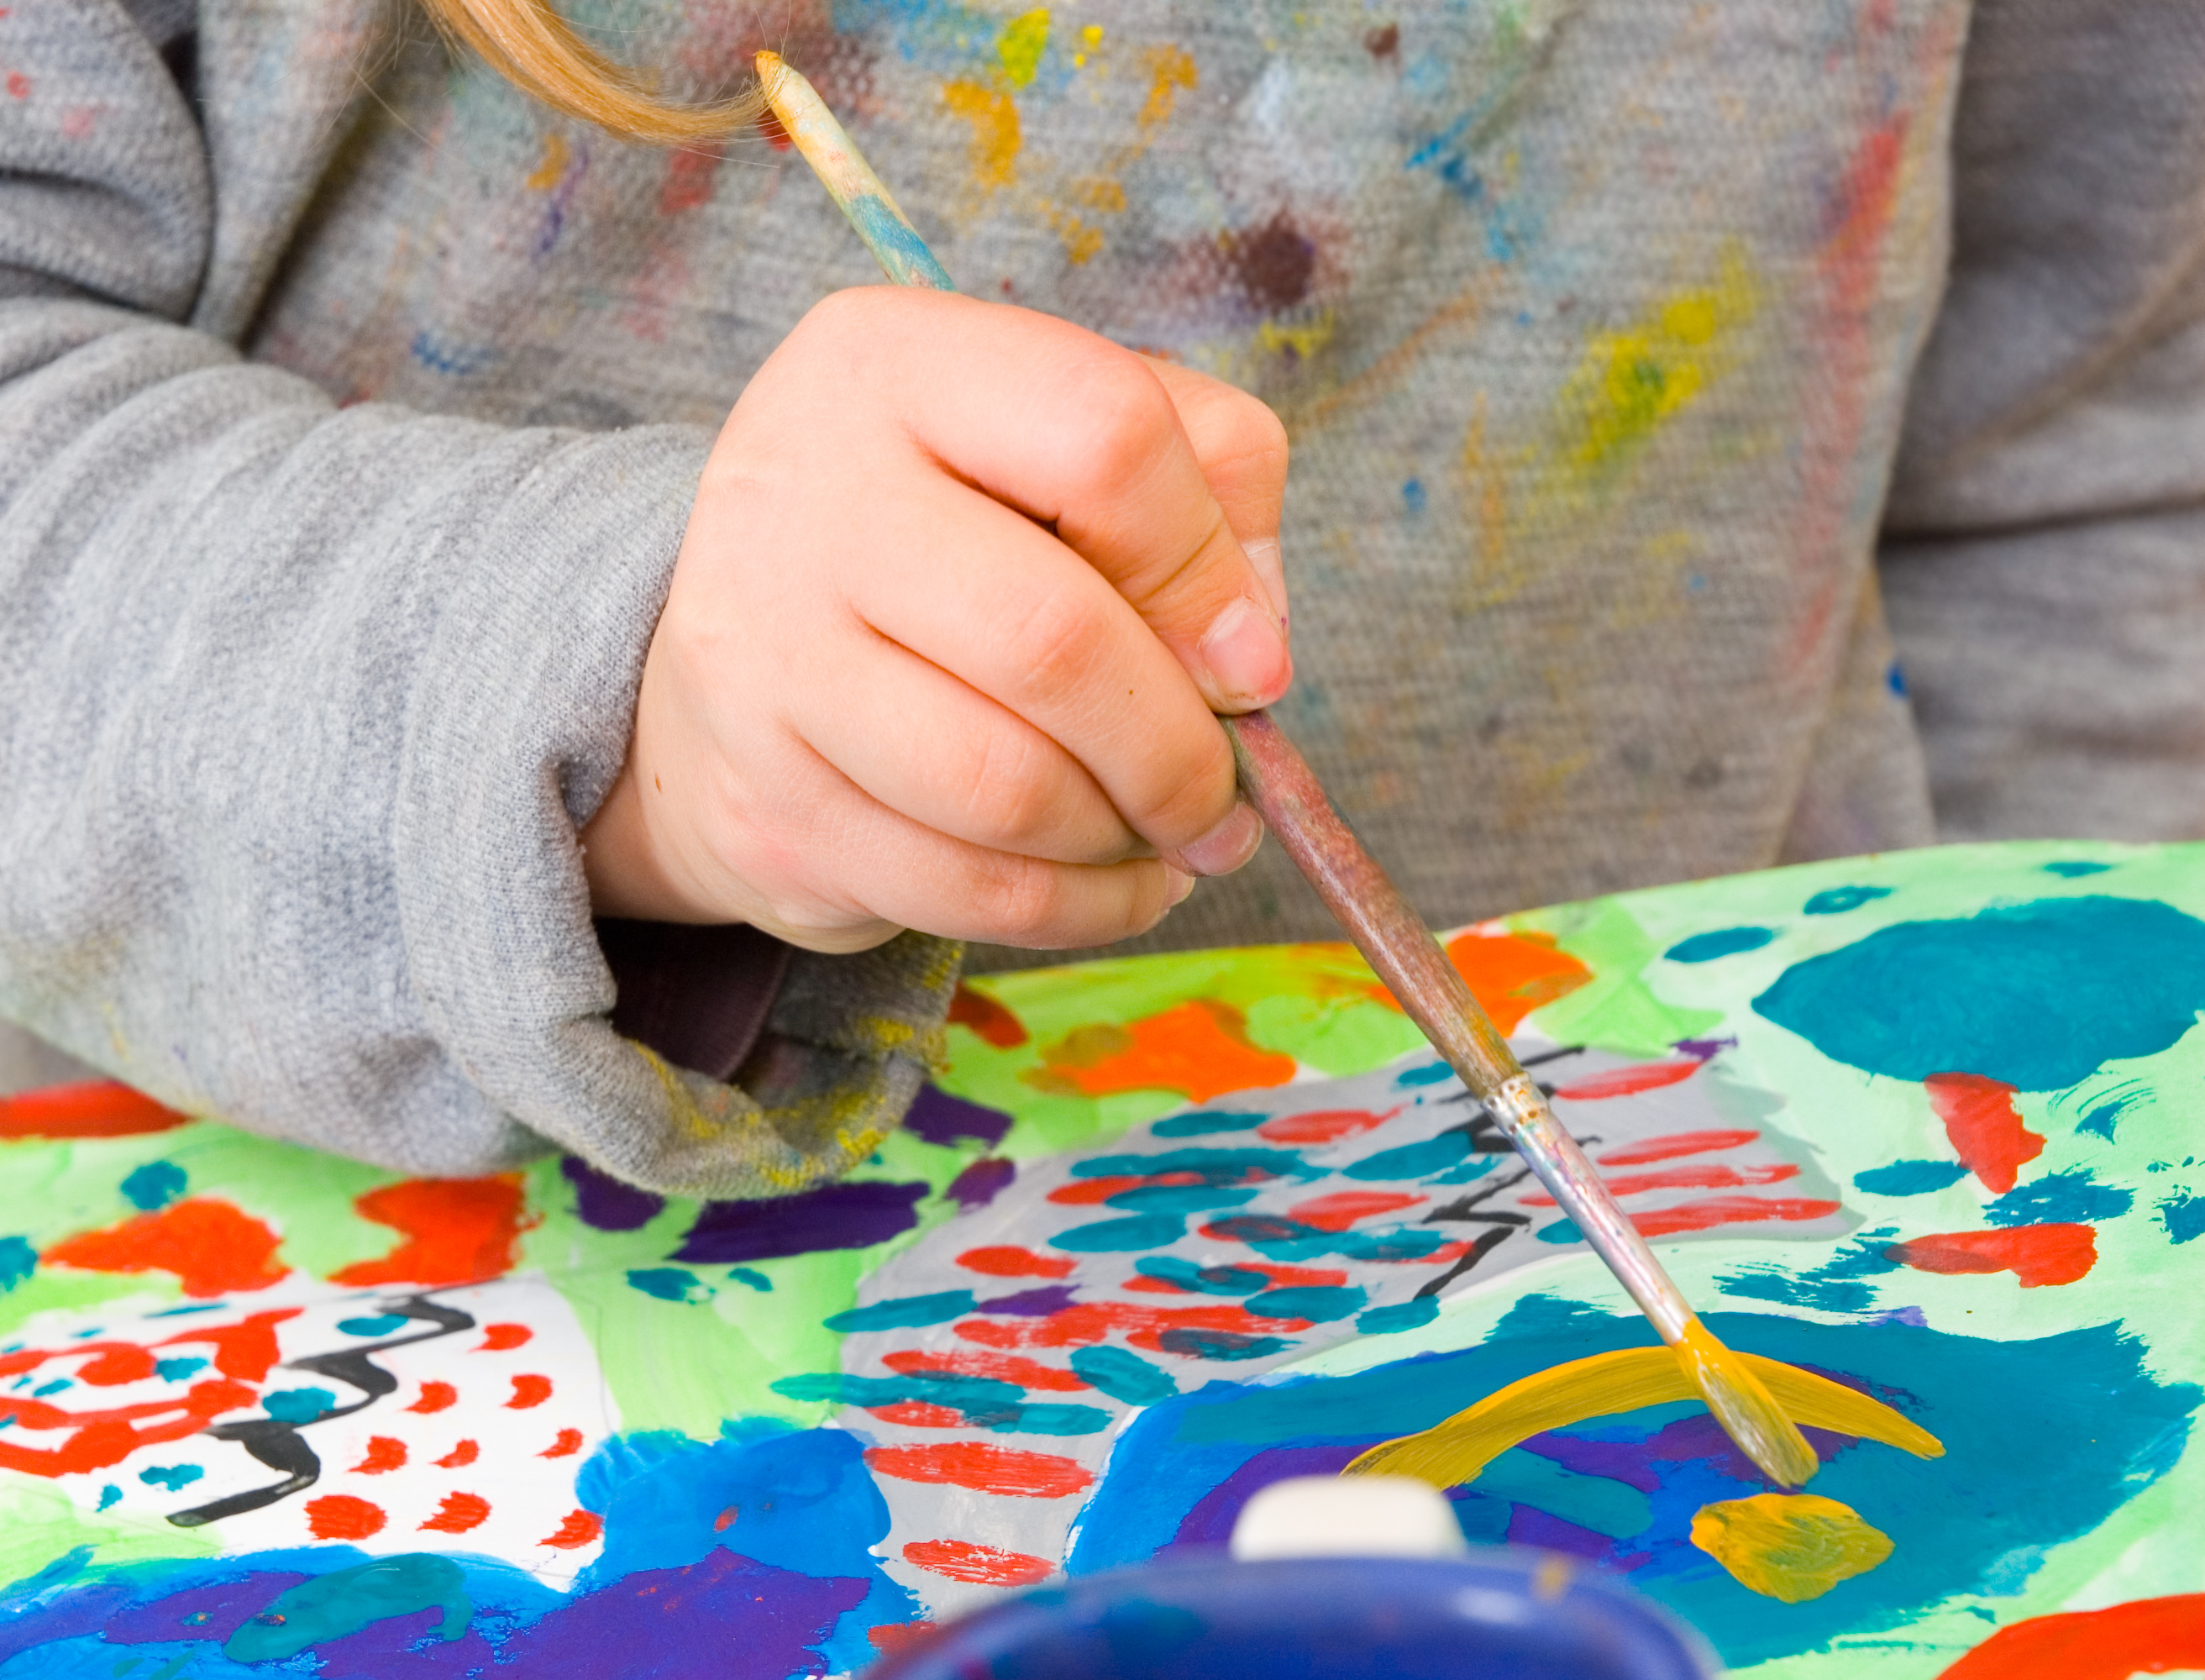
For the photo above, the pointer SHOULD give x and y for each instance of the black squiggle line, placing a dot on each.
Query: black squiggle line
(1487, 1242)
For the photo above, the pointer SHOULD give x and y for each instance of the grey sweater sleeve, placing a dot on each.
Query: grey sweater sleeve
(300, 710)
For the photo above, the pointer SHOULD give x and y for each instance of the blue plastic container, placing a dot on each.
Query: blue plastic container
(1494, 1614)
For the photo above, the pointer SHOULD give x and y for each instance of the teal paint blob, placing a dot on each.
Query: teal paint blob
(1911, 1178)
(53, 1387)
(154, 1185)
(1202, 1280)
(1206, 1122)
(2059, 1198)
(109, 1495)
(2183, 1216)
(2038, 995)
(1318, 1304)
(330, 1607)
(670, 1283)
(1412, 1160)
(908, 1313)
(756, 1280)
(18, 1260)
(381, 1324)
(1599, 1502)
(1835, 1286)
(299, 1405)
(1051, 1420)
(895, 247)
(1143, 1230)
(176, 1370)
(1411, 1315)
(1125, 1377)
(171, 1477)
(1431, 1073)
(986, 1403)
(1180, 1199)
(2071, 870)
(1216, 1166)
(2081, 1410)
(1722, 942)
(1561, 1231)
(1837, 900)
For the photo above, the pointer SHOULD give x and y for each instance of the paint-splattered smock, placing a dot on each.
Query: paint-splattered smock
(351, 406)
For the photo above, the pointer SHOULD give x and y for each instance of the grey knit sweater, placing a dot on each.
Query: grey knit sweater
(350, 407)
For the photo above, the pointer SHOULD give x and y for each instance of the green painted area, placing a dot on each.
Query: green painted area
(1615, 1010)
(39, 1527)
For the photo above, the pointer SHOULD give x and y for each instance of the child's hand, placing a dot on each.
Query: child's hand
(961, 591)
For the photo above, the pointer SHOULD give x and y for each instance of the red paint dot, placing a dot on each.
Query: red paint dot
(383, 1454)
(459, 1513)
(581, 1527)
(568, 1444)
(435, 1397)
(19, 85)
(529, 1391)
(1015, 1262)
(1323, 1125)
(919, 1414)
(341, 1516)
(465, 1453)
(497, 1337)
(986, 1468)
(981, 1566)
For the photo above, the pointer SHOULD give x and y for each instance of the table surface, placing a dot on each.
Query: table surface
(1164, 1230)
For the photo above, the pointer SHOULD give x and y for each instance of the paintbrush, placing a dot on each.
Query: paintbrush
(1392, 938)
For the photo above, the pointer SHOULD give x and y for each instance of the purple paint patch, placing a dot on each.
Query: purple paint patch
(981, 1183)
(1032, 1303)
(834, 1216)
(939, 1118)
(1700, 1437)
(1703, 1049)
(1530, 1526)
(1619, 1461)
(213, 1611)
(604, 1203)
(1209, 1526)
(1913, 1316)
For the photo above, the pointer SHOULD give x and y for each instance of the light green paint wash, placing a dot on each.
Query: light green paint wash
(66, 1291)
(1615, 1010)
(38, 1525)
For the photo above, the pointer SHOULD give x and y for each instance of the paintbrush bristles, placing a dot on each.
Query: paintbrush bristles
(1744, 1406)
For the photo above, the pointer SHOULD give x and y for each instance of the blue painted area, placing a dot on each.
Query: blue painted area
(1052, 1420)
(1319, 1305)
(909, 1312)
(754, 1280)
(441, 356)
(1216, 1166)
(1410, 1314)
(1125, 1376)
(899, 250)
(2184, 1217)
(1837, 900)
(1431, 1073)
(1894, 679)
(18, 1260)
(54, 1387)
(1599, 1502)
(2102, 1118)
(984, 1401)
(1835, 1286)
(1911, 1178)
(2071, 870)
(1180, 1199)
(1206, 1122)
(346, 1601)
(379, 1324)
(1413, 498)
(2059, 1198)
(670, 1283)
(153, 1185)
(1202, 1280)
(109, 1495)
(297, 1405)
(2039, 995)
(1561, 1231)
(1412, 1160)
(1276, 1238)
(1222, 1345)
(2082, 1409)
(1721, 942)
(176, 1370)
(1143, 1230)
(171, 1477)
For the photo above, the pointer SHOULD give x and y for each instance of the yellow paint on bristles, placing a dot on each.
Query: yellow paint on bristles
(1453, 1452)
(1744, 1406)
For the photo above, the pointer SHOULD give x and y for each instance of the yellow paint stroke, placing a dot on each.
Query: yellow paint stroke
(1170, 69)
(1792, 1547)
(1304, 339)
(1022, 43)
(995, 134)
(1089, 38)
(1454, 1451)
(1628, 382)
(553, 166)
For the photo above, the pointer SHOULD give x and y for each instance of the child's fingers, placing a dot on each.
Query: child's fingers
(934, 749)
(1005, 607)
(1242, 449)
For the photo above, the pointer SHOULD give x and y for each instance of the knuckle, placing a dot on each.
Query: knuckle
(1053, 644)
(1011, 801)
(1123, 418)
(1023, 900)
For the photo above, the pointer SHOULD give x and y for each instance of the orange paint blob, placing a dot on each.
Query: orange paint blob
(464, 1454)
(1714, 1210)
(99, 1438)
(341, 1516)
(2148, 1636)
(581, 1527)
(1984, 1127)
(1628, 1081)
(459, 1513)
(2037, 1255)
(1090, 1321)
(1088, 1192)
(896, 1636)
(996, 1367)
(384, 1454)
(497, 1337)
(919, 1414)
(457, 1231)
(568, 1443)
(529, 1391)
(1199, 1049)
(113, 1363)
(1343, 1209)
(1510, 974)
(991, 1020)
(435, 1397)
(982, 1467)
(90, 1108)
(245, 1350)
(1015, 1263)
(981, 1566)
(1323, 1125)
(1676, 1143)
(213, 1247)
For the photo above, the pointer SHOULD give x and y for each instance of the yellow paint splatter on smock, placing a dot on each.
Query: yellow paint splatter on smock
(1022, 43)
(1792, 1547)
(994, 120)
(553, 165)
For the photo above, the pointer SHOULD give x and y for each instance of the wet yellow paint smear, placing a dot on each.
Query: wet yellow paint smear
(1454, 1451)
(1792, 1547)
